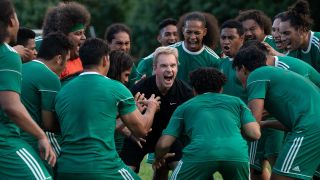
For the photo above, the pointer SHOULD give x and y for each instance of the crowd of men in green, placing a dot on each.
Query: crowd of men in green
(77, 108)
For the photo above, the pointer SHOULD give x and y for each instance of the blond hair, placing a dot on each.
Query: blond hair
(164, 50)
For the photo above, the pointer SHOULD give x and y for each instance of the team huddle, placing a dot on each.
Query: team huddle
(78, 108)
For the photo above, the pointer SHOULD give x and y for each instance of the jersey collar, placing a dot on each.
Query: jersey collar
(190, 52)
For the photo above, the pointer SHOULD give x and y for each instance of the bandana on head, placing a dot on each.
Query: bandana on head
(77, 27)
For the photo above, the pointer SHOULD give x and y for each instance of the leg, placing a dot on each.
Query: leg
(171, 163)
(266, 170)
(273, 144)
(161, 173)
(132, 154)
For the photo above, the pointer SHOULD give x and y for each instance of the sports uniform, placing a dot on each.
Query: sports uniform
(39, 88)
(87, 108)
(17, 158)
(188, 61)
(212, 123)
(271, 140)
(233, 85)
(295, 110)
(180, 92)
(145, 66)
(298, 66)
(312, 54)
(38, 91)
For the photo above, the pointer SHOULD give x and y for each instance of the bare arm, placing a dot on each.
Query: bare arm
(257, 108)
(10, 103)
(50, 122)
(275, 124)
(252, 130)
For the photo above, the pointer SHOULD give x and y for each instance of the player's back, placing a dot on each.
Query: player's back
(290, 97)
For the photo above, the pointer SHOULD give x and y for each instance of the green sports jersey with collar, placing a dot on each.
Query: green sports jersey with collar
(312, 54)
(145, 66)
(233, 85)
(188, 61)
(289, 97)
(10, 80)
(212, 123)
(38, 91)
(298, 66)
(87, 108)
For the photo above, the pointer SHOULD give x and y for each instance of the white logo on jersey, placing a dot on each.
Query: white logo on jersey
(296, 169)
(172, 103)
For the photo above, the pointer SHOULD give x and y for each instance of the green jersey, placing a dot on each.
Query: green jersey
(295, 107)
(87, 108)
(38, 91)
(212, 123)
(312, 54)
(134, 76)
(145, 66)
(298, 66)
(10, 80)
(188, 61)
(269, 39)
(233, 85)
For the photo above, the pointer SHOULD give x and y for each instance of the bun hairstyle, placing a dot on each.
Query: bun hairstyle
(299, 15)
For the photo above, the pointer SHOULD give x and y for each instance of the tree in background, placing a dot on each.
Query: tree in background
(143, 16)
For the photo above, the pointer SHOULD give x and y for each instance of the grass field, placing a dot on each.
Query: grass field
(146, 172)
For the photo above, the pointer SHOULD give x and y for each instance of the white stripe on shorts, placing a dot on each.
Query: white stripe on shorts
(253, 151)
(31, 163)
(288, 161)
(176, 171)
(54, 143)
(125, 174)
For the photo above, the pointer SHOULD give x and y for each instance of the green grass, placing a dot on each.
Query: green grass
(146, 172)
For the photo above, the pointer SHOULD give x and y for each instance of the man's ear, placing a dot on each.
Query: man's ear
(205, 31)
(159, 38)
(105, 61)
(58, 59)
(245, 70)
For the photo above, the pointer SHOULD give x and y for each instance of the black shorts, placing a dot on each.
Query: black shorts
(132, 154)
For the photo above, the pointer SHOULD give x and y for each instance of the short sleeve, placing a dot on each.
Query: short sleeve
(256, 87)
(175, 126)
(246, 115)
(125, 100)
(48, 93)
(10, 72)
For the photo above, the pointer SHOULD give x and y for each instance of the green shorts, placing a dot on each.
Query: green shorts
(124, 173)
(299, 157)
(269, 145)
(204, 170)
(24, 163)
